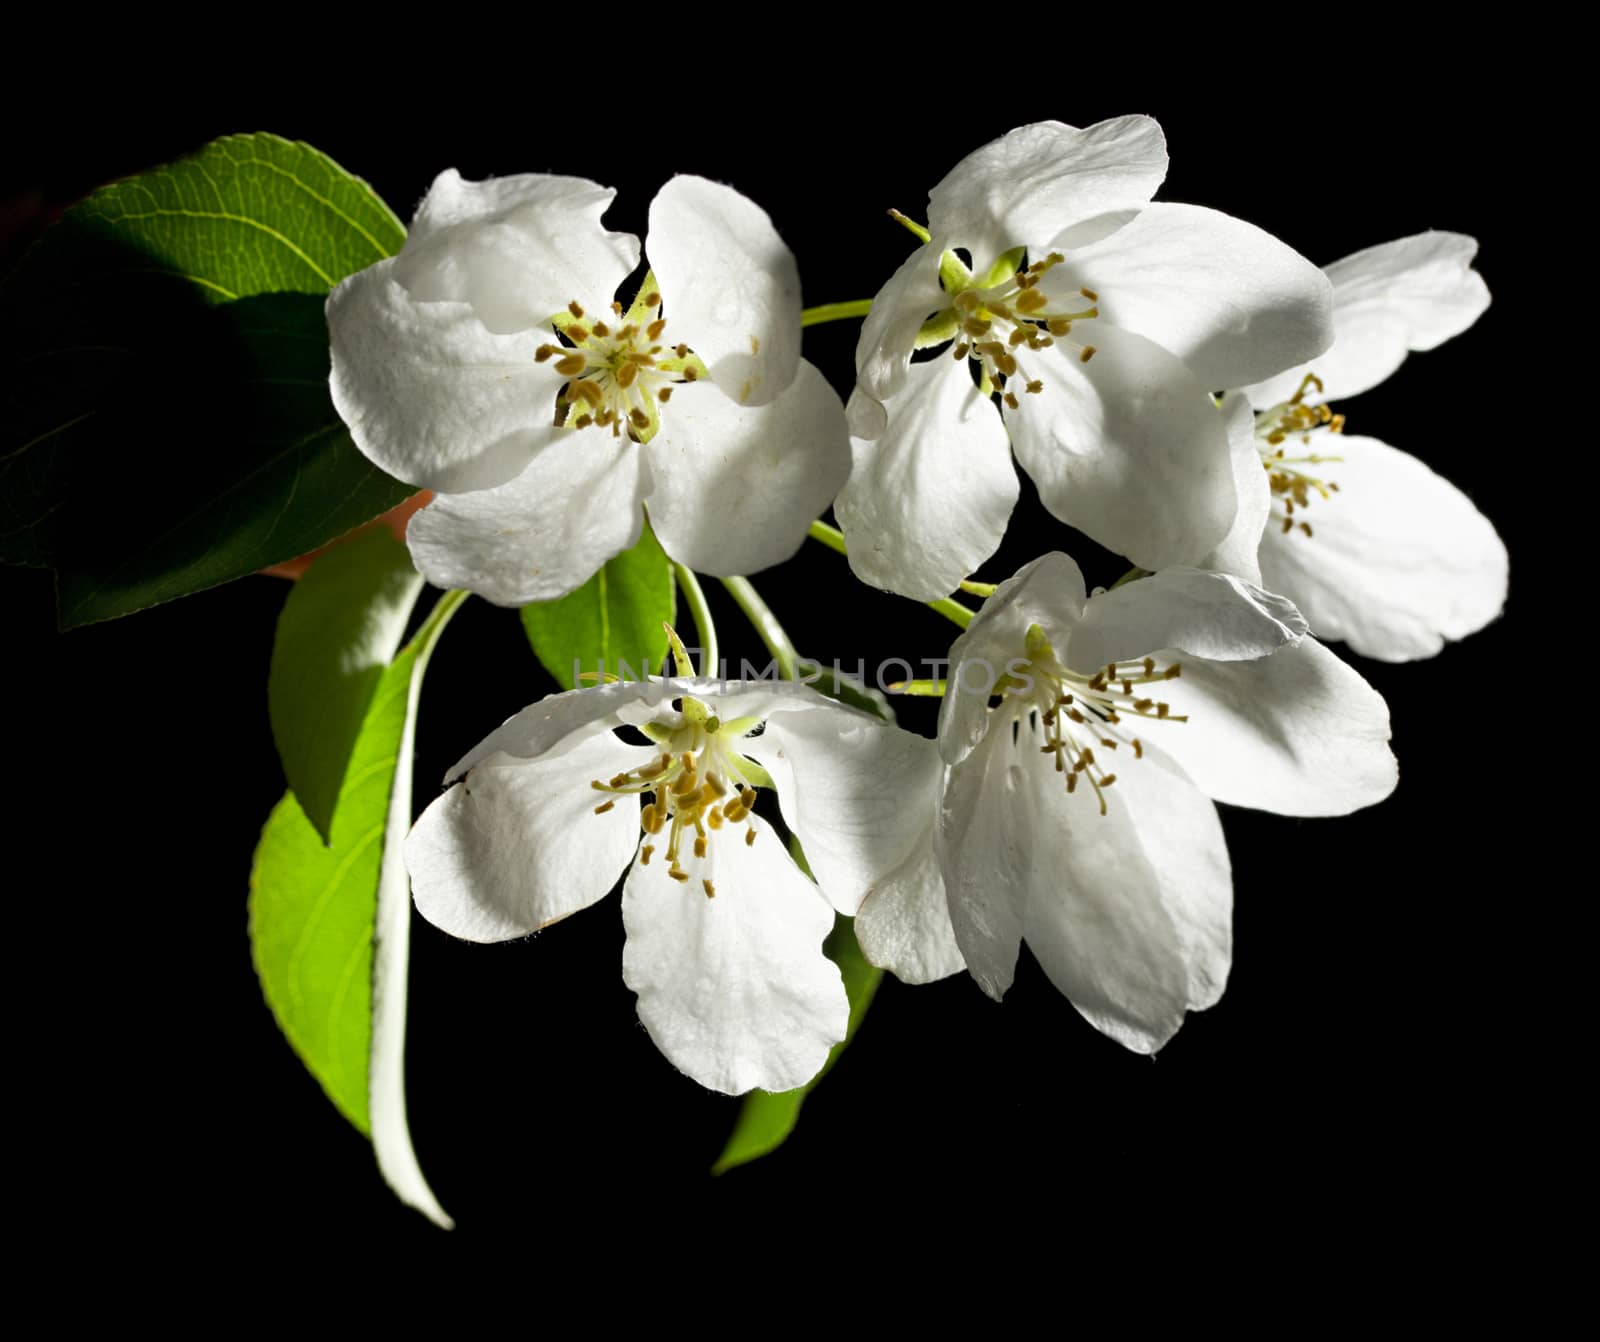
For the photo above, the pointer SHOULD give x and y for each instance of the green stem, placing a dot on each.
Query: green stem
(952, 610)
(428, 633)
(926, 689)
(766, 624)
(832, 537)
(835, 312)
(983, 589)
(705, 628)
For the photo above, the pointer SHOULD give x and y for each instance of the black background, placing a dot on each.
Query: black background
(1369, 1065)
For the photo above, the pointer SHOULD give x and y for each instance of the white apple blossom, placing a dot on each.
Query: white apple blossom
(724, 932)
(489, 362)
(1078, 814)
(1100, 322)
(1373, 546)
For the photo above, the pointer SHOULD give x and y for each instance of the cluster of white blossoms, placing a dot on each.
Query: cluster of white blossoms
(1166, 375)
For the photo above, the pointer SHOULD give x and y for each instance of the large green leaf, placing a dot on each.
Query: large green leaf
(614, 619)
(165, 423)
(766, 1118)
(329, 925)
(339, 629)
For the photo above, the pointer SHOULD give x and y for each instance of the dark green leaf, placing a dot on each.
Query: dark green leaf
(766, 1118)
(614, 619)
(339, 629)
(165, 424)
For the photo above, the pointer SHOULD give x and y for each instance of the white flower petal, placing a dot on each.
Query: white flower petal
(735, 990)
(1399, 560)
(1296, 733)
(1226, 297)
(859, 793)
(1236, 554)
(538, 727)
(518, 249)
(1036, 182)
(1128, 447)
(904, 924)
(1203, 614)
(1129, 913)
(575, 505)
(986, 856)
(1410, 294)
(1048, 592)
(889, 335)
(729, 284)
(516, 845)
(735, 488)
(929, 498)
(429, 394)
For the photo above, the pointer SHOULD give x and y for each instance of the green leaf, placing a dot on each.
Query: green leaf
(614, 618)
(339, 629)
(165, 424)
(329, 926)
(766, 1118)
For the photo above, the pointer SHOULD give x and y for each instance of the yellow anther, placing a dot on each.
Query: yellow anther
(602, 330)
(711, 890)
(1090, 295)
(576, 334)
(639, 419)
(645, 853)
(1138, 750)
(1108, 780)
(1012, 401)
(626, 374)
(714, 817)
(677, 874)
(654, 330)
(1087, 354)
(604, 807)
(1031, 300)
(1035, 387)
(1162, 710)
(574, 309)
(749, 836)
(1173, 671)
(572, 365)
(652, 300)
(1059, 326)
(700, 845)
(588, 389)
(664, 395)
